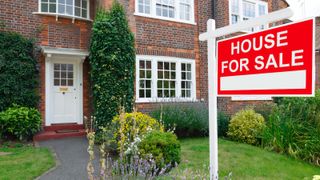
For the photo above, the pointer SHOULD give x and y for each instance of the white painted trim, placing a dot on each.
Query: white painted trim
(78, 60)
(57, 15)
(177, 13)
(65, 51)
(255, 2)
(265, 19)
(178, 61)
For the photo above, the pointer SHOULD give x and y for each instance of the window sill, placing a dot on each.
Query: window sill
(63, 16)
(166, 100)
(165, 19)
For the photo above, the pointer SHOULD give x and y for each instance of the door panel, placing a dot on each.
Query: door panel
(64, 93)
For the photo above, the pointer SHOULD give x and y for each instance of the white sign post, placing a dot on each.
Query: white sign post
(210, 36)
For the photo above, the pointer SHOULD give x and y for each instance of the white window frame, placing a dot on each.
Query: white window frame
(57, 14)
(241, 16)
(154, 76)
(176, 12)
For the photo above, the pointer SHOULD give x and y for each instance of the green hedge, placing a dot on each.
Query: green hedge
(112, 60)
(18, 72)
(19, 122)
(163, 146)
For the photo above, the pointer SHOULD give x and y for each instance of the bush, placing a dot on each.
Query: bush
(112, 60)
(188, 119)
(18, 72)
(20, 122)
(223, 123)
(246, 126)
(125, 128)
(163, 146)
(294, 128)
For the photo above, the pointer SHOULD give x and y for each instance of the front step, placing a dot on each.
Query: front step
(56, 127)
(46, 135)
(58, 131)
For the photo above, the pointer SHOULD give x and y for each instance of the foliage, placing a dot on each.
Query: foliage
(163, 146)
(223, 123)
(112, 59)
(294, 128)
(20, 122)
(265, 109)
(246, 126)
(126, 128)
(242, 160)
(188, 119)
(18, 72)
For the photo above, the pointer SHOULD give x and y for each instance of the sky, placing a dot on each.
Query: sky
(311, 8)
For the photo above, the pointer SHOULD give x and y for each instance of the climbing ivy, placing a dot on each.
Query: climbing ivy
(112, 59)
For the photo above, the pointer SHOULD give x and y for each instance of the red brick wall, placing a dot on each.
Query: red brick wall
(167, 38)
(318, 70)
(18, 16)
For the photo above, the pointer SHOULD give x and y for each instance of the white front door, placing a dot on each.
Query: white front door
(64, 92)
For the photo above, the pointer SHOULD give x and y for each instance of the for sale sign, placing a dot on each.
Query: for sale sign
(277, 62)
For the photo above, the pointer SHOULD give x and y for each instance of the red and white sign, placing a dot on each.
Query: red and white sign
(277, 62)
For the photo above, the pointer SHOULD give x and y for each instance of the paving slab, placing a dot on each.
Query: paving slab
(72, 159)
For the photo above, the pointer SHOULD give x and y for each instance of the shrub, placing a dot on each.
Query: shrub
(246, 126)
(126, 127)
(223, 123)
(163, 146)
(188, 119)
(20, 122)
(18, 72)
(294, 128)
(112, 60)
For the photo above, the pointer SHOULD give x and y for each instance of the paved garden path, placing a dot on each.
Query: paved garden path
(72, 159)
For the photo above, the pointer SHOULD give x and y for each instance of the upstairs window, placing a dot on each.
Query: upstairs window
(172, 10)
(165, 8)
(242, 10)
(185, 9)
(144, 6)
(75, 8)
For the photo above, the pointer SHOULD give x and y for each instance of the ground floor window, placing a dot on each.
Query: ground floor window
(164, 78)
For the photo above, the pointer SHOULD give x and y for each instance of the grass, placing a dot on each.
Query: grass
(244, 161)
(25, 163)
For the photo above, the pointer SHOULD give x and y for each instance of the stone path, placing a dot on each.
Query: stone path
(72, 159)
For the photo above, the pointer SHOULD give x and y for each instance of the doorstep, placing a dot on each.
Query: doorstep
(58, 131)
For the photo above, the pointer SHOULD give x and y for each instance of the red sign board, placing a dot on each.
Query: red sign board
(277, 61)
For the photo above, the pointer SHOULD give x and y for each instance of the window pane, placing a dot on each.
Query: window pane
(141, 64)
(141, 93)
(142, 74)
(56, 82)
(85, 4)
(77, 11)
(63, 82)
(62, 1)
(61, 9)
(44, 7)
(77, 3)
(235, 6)
(70, 82)
(84, 13)
(148, 93)
(69, 10)
(57, 74)
(69, 2)
(52, 8)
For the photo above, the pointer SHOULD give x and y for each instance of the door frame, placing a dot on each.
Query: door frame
(63, 55)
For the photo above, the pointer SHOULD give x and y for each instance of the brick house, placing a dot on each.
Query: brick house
(171, 63)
